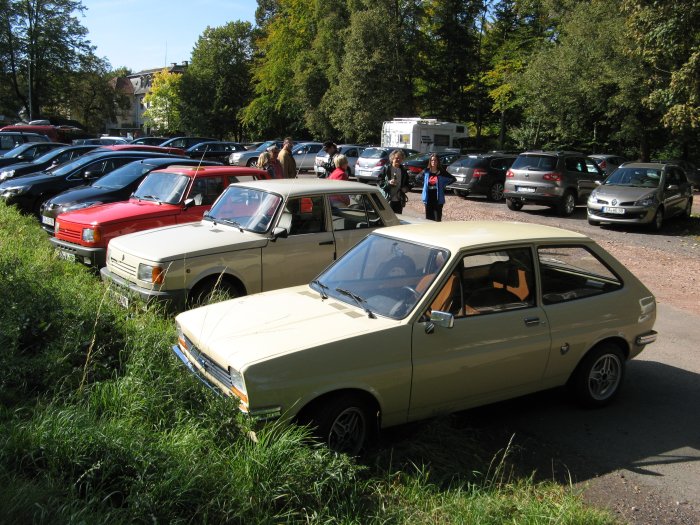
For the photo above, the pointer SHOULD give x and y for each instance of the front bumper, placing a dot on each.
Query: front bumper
(175, 299)
(631, 215)
(82, 254)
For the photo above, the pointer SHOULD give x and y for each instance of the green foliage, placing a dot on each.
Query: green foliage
(216, 85)
(164, 102)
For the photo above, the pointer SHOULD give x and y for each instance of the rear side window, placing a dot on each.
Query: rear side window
(535, 162)
(573, 272)
(205, 190)
(576, 164)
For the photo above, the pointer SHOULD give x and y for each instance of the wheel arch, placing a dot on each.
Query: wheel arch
(304, 415)
(212, 277)
(616, 340)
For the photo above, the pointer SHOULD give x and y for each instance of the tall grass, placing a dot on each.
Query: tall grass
(100, 424)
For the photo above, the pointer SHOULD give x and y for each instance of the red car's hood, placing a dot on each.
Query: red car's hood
(119, 211)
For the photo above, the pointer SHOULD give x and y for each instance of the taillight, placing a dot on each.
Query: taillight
(554, 176)
(414, 169)
(479, 173)
(381, 162)
(510, 174)
(602, 164)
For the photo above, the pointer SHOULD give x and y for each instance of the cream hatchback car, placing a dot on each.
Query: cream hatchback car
(257, 236)
(425, 319)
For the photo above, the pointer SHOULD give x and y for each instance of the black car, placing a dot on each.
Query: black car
(149, 141)
(115, 186)
(30, 191)
(215, 150)
(416, 164)
(11, 139)
(27, 152)
(481, 174)
(185, 142)
(48, 161)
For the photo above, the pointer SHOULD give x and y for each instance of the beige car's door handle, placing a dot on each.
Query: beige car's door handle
(533, 321)
(325, 243)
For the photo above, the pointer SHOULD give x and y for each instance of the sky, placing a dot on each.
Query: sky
(148, 34)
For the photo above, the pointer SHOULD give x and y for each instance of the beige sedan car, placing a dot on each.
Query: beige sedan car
(426, 319)
(258, 236)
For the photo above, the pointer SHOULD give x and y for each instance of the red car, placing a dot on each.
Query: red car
(174, 195)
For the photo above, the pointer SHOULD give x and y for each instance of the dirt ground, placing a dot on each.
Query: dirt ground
(669, 264)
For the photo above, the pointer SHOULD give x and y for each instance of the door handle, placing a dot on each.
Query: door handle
(325, 243)
(533, 321)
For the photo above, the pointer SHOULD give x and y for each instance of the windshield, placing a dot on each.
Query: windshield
(50, 155)
(16, 151)
(122, 177)
(384, 275)
(247, 208)
(73, 165)
(639, 177)
(265, 145)
(163, 187)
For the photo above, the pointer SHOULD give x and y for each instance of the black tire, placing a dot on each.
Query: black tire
(343, 423)
(251, 162)
(211, 291)
(658, 221)
(598, 377)
(567, 205)
(495, 192)
(514, 204)
(688, 209)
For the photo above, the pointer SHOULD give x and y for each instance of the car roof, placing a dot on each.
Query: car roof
(455, 235)
(310, 185)
(198, 171)
(655, 165)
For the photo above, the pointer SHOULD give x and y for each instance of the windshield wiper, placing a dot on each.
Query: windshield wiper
(149, 197)
(322, 288)
(232, 222)
(358, 301)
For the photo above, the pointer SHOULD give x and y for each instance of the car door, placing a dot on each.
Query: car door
(353, 217)
(499, 344)
(584, 174)
(308, 248)
(203, 191)
(673, 195)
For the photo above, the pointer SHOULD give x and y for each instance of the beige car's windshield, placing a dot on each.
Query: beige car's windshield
(246, 208)
(382, 275)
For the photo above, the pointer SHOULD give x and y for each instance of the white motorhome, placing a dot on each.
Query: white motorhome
(422, 134)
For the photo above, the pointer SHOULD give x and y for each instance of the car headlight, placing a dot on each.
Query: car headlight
(7, 174)
(235, 156)
(150, 273)
(91, 235)
(593, 197)
(14, 190)
(647, 200)
(238, 384)
(79, 206)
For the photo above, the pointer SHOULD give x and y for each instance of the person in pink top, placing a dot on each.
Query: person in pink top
(341, 168)
(275, 163)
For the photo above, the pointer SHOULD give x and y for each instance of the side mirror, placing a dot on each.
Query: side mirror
(188, 203)
(90, 175)
(443, 319)
(672, 187)
(278, 232)
(598, 182)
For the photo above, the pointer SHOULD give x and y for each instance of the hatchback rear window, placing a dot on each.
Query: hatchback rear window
(374, 153)
(535, 162)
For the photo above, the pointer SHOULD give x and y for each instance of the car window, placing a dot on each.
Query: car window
(592, 167)
(576, 164)
(568, 273)
(205, 190)
(374, 153)
(352, 152)
(488, 282)
(353, 211)
(308, 215)
(7, 142)
(535, 162)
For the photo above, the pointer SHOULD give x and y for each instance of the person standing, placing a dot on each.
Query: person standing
(274, 151)
(435, 180)
(329, 166)
(286, 159)
(393, 181)
(341, 168)
(264, 164)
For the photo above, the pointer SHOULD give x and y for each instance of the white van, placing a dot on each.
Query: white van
(423, 134)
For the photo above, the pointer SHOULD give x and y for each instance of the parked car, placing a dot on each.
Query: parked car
(47, 162)
(691, 171)
(425, 319)
(607, 163)
(481, 174)
(169, 150)
(149, 141)
(418, 162)
(351, 151)
(185, 142)
(11, 139)
(558, 179)
(114, 187)
(641, 193)
(250, 157)
(304, 154)
(28, 192)
(174, 195)
(101, 141)
(27, 152)
(258, 236)
(372, 160)
(216, 150)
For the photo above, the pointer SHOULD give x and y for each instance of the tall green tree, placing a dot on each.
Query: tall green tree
(216, 85)
(41, 43)
(163, 103)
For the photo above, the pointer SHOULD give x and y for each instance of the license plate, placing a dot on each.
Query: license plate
(523, 189)
(66, 256)
(122, 299)
(613, 210)
(49, 221)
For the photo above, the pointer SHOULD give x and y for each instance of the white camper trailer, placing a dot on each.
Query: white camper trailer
(422, 134)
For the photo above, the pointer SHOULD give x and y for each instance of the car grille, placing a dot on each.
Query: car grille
(209, 366)
(124, 267)
(70, 234)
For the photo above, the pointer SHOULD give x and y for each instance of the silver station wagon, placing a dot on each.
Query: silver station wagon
(256, 237)
(425, 319)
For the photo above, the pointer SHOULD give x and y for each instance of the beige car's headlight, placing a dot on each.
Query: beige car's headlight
(238, 384)
(150, 274)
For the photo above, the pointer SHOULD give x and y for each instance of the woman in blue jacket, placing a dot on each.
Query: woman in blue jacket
(435, 180)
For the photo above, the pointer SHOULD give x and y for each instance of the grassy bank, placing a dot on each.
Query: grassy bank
(100, 424)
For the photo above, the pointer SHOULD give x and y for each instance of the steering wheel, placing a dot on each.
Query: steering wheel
(416, 295)
(403, 305)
